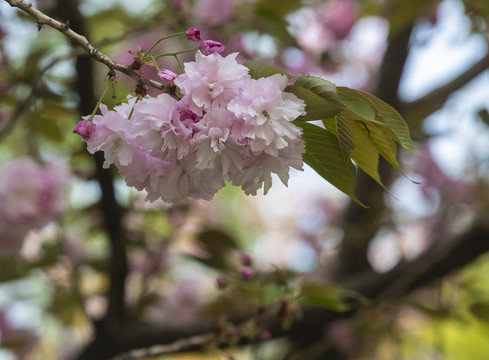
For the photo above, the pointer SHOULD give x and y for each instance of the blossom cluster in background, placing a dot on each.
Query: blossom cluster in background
(31, 196)
(226, 127)
(330, 22)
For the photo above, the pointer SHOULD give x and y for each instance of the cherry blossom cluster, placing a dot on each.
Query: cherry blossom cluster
(226, 126)
(31, 196)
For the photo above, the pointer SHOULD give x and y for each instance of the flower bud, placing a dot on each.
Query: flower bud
(208, 47)
(167, 76)
(85, 129)
(266, 335)
(245, 259)
(221, 282)
(193, 34)
(246, 273)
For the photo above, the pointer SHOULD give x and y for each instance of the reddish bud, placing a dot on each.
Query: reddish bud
(245, 259)
(246, 273)
(193, 34)
(266, 335)
(208, 47)
(85, 129)
(221, 282)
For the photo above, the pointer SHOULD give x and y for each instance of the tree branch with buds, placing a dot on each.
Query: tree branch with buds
(42, 19)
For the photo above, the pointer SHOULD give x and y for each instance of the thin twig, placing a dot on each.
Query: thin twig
(417, 110)
(25, 104)
(177, 346)
(43, 19)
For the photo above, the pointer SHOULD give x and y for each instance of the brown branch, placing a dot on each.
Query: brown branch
(109, 208)
(362, 224)
(442, 258)
(416, 111)
(43, 19)
(177, 346)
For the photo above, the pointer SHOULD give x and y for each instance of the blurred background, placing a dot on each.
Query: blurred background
(89, 269)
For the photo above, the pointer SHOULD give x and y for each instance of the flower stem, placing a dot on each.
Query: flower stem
(99, 101)
(179, 64)
(176, 53)
(163, 38)
(155, 63)
(132, 110)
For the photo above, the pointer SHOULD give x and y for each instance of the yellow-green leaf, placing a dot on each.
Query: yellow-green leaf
(324, 154)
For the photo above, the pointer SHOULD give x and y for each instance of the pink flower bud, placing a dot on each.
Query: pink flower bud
(245, 259)
(167, 76)
(193, 34)
(266, 335)
(246, 273)
(85, 129)
(208, 47)
(221, 282)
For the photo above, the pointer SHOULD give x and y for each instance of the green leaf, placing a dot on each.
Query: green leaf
(324, 154)
(365, 154)
(317, 108)
(383, 113)
(320, 96)
(356, 108)
(321, 87)
(384, 144)
(345, 137)
(259, 70)
(324, 296)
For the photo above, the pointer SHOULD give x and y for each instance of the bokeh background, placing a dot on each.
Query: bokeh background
(93, 264)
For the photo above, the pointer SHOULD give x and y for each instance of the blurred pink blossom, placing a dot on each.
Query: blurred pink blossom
(332, 21)
(181, 303)
(339, 17)
(20, 341)
(315, 37)
(247, 273)
(30, 197)
(214, 11)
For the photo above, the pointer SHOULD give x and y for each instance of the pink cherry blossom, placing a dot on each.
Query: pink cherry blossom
(113, 136)
(211, 79)
(226, 127)
(267, 113)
